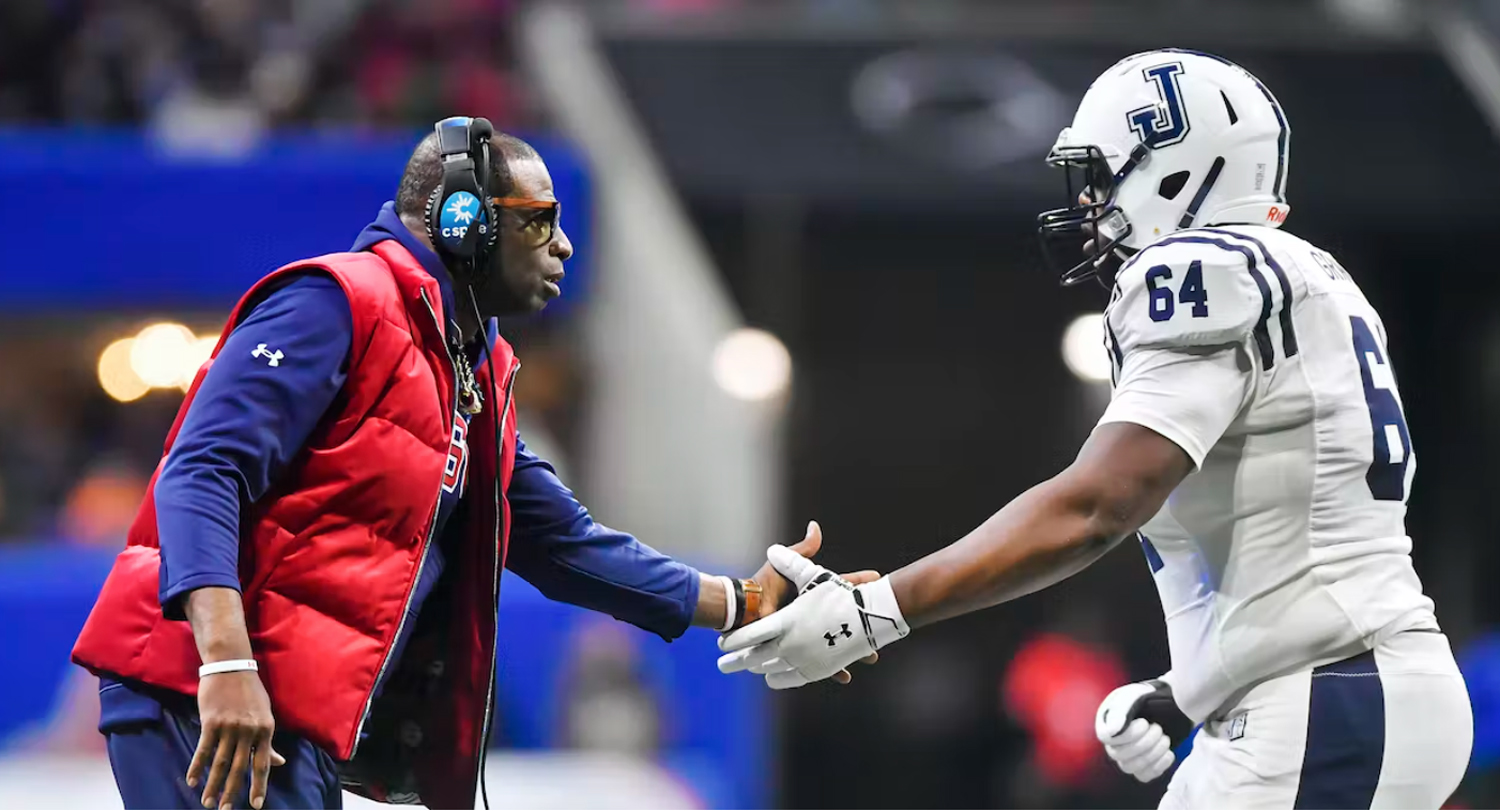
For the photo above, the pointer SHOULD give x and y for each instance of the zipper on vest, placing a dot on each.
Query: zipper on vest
(489, 695)
(421, 561)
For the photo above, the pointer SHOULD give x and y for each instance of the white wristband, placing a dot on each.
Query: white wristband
(731, 605)
(228, 666)
(880, 603)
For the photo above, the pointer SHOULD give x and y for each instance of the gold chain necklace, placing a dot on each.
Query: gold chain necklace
(470, 400)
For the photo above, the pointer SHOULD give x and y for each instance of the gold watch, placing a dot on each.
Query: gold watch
(747, 595)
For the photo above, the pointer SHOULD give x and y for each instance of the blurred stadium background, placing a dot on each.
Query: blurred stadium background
(806, 287)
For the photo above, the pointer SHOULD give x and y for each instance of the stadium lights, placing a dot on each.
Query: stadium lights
(115, 375)
(1083, 348)
(196, 357)
(752, 364)
(160, 352)
(160, 356)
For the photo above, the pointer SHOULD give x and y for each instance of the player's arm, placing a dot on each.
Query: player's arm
(248, 420)
(1181, 324)
(1185, 374)
(1121, 477)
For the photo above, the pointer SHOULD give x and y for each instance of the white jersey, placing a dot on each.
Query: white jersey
(1287, 548)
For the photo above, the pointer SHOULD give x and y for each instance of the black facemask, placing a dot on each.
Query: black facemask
(1064, 230)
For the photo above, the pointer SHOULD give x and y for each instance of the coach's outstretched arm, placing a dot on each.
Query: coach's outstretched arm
(559, 548)
(1121, 477)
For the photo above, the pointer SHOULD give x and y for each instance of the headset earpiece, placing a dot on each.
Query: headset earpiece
(428, 215)
(460, 215)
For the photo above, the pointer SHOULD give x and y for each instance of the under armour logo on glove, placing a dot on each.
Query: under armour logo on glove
(814, 638)
(274, 356)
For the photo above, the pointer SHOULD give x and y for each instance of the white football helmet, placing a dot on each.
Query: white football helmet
(1167, 140)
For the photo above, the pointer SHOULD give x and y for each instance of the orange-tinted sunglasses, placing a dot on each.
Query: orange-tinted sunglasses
(537, 229)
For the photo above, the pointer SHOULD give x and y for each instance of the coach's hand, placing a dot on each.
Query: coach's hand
(779, 590)
(236, 738)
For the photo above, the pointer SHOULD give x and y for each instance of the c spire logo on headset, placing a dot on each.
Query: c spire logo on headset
(460, 212)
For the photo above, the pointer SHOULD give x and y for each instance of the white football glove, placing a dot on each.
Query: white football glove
(831, 625)
(1139, 725)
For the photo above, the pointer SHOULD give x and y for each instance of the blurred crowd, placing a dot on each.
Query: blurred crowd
(249, 64)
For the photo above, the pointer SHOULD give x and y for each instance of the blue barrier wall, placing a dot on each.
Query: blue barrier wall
(108, 219)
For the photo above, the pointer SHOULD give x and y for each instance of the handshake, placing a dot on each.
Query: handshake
(832, 624)
(837, 620)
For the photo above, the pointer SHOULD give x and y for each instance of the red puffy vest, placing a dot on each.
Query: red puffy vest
(329, 558)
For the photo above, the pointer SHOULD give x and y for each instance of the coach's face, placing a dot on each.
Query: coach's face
(528, 261)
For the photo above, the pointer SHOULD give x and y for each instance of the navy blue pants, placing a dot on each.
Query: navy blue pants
(150, 757)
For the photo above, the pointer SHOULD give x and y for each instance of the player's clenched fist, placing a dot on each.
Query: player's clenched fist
(1139, 724)
(831, 625)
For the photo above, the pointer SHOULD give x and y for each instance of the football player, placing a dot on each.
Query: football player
(1254, 447)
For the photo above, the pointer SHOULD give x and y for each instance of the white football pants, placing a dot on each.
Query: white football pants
(1389, 728)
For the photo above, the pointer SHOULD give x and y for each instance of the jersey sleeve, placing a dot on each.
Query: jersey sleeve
(1189, 290)
(1190, 395)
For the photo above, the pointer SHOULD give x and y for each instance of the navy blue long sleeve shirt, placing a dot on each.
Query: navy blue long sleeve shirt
(250, 419)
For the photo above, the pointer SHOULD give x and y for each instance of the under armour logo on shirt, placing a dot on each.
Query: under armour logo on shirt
(833, 637)
(274, 356)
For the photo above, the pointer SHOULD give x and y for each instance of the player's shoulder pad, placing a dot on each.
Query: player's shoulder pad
(1193, 288)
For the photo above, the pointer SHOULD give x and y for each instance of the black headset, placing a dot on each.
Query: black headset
(460, 215)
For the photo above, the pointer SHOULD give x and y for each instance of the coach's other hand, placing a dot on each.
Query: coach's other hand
(237, 726)
(233, 708)
(780, 589)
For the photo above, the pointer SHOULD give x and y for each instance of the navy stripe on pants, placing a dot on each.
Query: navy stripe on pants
(1345, 735)
(150, 761)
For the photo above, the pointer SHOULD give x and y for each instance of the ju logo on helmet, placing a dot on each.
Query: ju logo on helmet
(461, 211)
(1166, 122)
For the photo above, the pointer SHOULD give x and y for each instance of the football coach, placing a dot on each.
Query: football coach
(312, 583)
